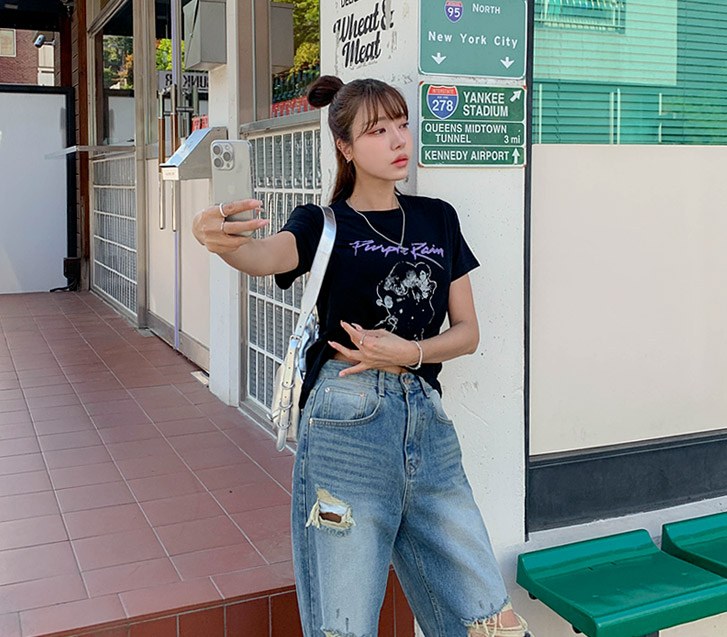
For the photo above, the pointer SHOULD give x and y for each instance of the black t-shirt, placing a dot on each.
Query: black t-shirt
(374, 282)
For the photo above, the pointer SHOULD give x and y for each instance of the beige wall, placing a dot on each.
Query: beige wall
(628, 303)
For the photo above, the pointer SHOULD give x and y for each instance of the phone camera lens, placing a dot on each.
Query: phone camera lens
(227, 156)
(218, 162)
(216, 150)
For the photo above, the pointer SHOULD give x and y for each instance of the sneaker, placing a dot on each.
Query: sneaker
(494, 627)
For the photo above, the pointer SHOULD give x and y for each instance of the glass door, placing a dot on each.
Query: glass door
(114, 256)
(178, 268)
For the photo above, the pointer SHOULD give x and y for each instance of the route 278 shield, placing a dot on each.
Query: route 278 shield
(442, 101)
(453, 9)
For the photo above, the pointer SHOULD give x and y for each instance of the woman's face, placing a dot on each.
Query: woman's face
(381, 151)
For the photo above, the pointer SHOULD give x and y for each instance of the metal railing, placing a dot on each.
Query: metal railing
(113, 228)
(286, 173)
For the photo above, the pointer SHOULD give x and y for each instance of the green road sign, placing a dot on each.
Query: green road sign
(467, 37)
(472, 156)
(472, 133)
(472, 126)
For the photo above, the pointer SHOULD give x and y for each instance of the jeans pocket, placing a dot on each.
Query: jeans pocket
(438, 408)
(341, 404)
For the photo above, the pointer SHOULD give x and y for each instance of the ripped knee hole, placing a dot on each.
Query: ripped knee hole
(330, 511)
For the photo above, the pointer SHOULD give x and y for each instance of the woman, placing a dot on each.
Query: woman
(378, 474)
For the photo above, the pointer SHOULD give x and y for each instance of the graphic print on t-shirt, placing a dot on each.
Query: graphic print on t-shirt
(406, 294)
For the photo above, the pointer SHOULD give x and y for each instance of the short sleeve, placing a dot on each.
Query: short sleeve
(306, 225)
(463, 259)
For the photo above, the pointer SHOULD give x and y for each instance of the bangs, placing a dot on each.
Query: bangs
(383, 98)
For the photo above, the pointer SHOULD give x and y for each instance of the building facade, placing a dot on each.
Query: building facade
(595, 402)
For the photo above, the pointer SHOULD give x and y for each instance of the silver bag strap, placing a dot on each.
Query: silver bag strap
(318, 269)
(284, 409)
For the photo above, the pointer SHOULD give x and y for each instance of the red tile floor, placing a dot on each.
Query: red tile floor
(133, 503)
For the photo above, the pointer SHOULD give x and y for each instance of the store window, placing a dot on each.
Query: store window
(115, 117)
(582, 14)
(28, 57)
(193, 109)
(626, 365)
(630, 72)
(294, 68)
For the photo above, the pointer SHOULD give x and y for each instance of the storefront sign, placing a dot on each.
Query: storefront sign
(190, 80)
(472, 126)
(359, 32)
(466, 37)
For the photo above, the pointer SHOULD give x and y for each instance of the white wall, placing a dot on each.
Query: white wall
(195, 258)
(121, 120)
(224, 281)
(160, 246)
(628, 303)
(483, 392)
(33, 231)
(195, 264)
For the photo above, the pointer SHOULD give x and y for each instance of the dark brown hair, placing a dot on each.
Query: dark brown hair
(345, 102)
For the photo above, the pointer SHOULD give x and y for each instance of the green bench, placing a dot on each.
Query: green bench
(701, 541)
(621, 586)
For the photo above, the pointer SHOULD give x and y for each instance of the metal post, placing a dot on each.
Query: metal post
(176, 8)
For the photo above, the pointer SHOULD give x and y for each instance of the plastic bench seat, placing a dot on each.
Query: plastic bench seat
(620, 586)
(701, 541)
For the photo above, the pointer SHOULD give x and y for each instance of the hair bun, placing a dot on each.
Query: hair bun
(323, 90)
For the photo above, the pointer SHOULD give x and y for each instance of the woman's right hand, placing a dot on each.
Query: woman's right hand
(220, 236)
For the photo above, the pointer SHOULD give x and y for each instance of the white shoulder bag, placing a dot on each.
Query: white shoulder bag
(285, 412)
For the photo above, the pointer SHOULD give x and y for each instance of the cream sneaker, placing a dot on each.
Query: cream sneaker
(494, 628)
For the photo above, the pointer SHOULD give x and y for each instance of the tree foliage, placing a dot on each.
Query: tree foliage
(306, 22)
(118, 61)
(164, 54)
(306, 33)
(306, 55)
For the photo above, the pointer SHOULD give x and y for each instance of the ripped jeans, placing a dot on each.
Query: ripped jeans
(378, 478)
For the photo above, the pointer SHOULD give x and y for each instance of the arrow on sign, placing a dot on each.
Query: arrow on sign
(439, 58)
(515, 155)
(516, 96)
(507, 62)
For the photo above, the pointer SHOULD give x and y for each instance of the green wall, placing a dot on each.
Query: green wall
(661, 77)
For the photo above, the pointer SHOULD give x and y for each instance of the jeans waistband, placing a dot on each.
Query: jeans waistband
(383, 381)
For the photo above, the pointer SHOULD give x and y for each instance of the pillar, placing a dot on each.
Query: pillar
(465, 131)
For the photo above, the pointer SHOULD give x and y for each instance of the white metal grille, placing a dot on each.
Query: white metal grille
(114, 229)
(286, 173)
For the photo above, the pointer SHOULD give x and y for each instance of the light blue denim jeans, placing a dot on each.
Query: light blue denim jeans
(378, 478)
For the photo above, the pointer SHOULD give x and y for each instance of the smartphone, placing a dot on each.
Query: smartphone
(232, 175)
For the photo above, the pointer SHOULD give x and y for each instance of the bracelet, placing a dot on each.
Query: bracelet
(421, 356)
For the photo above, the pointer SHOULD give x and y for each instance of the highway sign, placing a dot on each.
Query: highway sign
(472, 126)
(481, 39)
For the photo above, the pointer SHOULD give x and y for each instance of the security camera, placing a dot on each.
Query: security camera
(39, 41)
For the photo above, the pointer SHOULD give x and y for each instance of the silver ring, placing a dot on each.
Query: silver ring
(363, 338)
(222, 226)
(222, 211)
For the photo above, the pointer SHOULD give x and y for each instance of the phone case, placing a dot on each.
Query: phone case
(232, 174)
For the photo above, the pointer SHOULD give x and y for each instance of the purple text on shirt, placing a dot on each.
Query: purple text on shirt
(417, 250)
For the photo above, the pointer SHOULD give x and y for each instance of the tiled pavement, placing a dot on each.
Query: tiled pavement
(133, 503)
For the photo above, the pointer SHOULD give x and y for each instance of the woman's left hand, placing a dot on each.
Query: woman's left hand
(375, 349)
